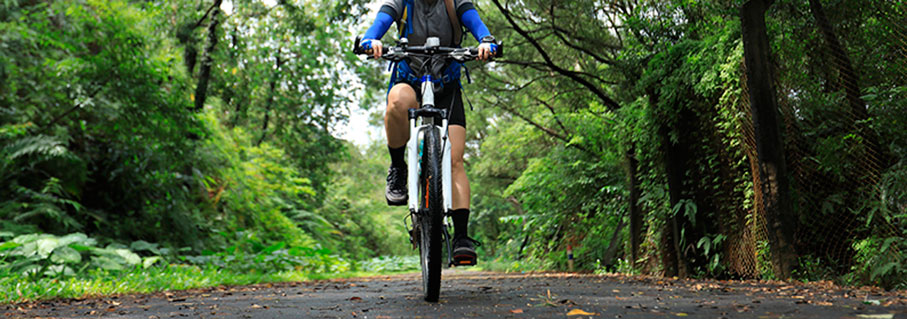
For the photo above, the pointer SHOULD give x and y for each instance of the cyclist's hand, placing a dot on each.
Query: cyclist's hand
(373, 47)
(486, 51)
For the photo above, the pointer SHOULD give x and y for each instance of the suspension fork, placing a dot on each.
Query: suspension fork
(416, 132)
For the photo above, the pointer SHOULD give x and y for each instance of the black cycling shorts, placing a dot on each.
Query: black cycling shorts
(450, 92)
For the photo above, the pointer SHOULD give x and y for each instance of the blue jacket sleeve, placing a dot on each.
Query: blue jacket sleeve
(475, 25)
(382, 23)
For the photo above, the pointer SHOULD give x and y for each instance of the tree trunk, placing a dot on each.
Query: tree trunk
(670, 242)
(270, 101)
(775, 187)
(633, 203)
(519, 210)
(849, 80)
(201, 91)
(610, 253)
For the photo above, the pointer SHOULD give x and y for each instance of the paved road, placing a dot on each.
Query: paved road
(467, 294)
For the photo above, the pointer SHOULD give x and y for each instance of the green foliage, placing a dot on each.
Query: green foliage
(36, 256)
(552, 157)
(362, 225)
(881, 262)
(42, 266)
(390, 264)
(98, 135)
(812, 269)
(763, 261)
(507, 265)
(711, 250)
(14, 289)
(251, 188)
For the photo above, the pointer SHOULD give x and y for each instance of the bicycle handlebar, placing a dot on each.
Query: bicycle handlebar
(402, 50)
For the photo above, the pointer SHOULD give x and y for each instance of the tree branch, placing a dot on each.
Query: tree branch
(610, 103)
(541, 66)
(205, 16)
(553, 113)
(564, 138)
(65, 114)
(581, 49)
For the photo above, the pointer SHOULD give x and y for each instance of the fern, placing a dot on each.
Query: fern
(310, 222)
(41, 146)
(31, 150)
(51, 202)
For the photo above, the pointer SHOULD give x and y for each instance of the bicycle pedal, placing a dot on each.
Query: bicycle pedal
(464, 261)
(400, 203)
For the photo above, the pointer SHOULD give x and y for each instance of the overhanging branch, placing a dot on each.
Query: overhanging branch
(606, 100)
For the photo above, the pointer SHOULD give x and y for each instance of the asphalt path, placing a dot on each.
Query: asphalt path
(469, 294)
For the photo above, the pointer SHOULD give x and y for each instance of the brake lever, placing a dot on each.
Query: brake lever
(462, 55)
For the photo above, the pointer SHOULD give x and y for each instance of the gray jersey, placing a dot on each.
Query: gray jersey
(429, 18)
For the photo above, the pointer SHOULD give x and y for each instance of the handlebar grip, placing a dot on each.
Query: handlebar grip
(357, 49)
(499, 52)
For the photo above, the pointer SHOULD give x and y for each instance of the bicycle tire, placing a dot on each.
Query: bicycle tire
(430, 205)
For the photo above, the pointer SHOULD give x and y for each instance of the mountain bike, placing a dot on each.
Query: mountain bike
(428, 161)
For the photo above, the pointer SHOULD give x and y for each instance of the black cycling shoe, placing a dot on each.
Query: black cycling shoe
(464, 252)
(395, 193)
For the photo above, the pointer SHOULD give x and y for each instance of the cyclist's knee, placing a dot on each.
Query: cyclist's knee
(400, 98)
(456, 163)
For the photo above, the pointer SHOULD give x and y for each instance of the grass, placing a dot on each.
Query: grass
(506, 265)
(18, 289)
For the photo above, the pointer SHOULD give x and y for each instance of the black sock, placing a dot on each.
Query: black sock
(461, 221)
(397, 156)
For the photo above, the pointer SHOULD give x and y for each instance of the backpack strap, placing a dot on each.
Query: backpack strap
(454, 22)
(405, 25)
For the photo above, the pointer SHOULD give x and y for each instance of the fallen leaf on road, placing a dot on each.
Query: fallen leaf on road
(355, 298)
(681, 314)
(877, 316)
(580, 312)
(518, 310)
(824, 303)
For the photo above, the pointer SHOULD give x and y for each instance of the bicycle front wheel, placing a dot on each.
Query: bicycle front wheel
(431, 213)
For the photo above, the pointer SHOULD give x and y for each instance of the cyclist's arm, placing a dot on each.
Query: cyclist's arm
(371, 41)
(383, 21)
(471, 20)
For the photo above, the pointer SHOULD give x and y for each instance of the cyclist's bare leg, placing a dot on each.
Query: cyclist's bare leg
(457, 171)
(400, 99)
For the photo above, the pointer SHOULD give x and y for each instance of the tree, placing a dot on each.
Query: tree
(773, 175)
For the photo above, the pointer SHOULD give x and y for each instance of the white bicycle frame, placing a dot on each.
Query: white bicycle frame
(415, 134)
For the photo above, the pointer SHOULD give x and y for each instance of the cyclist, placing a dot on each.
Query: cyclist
(418, 20)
